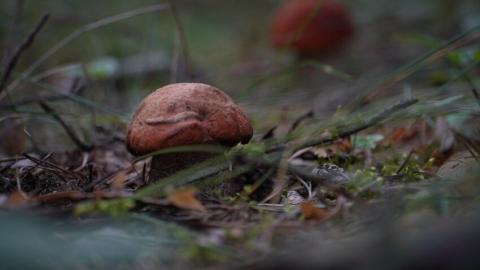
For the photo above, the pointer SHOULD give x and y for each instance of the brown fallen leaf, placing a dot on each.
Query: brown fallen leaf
(310, 212)
(396, 136)
(185, 198)
(117, 182)
(63, 195)
(16, 199)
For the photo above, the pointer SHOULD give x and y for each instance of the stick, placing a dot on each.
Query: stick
(12, 62)
(372, 122)
(47, 164)
(299, 120)
(68, 130)
(77, 86)
(299, 171)
(404, 163)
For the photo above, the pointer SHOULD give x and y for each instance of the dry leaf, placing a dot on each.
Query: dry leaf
(185, 198)
(310, 212)
(16, 199)
(63, 195)
(396, 136)
(343, 145)
(118, 180)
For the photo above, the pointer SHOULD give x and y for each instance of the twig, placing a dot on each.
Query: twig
(76, 87)
(469, 80)
(404, 163)
(43, 162)
(30, 100)
(307, 186)
(471, 146)
(144, 173)
(12, 62)
(76, 34)
(80, 100)
(300, 119)
(371, 122)
(476, 95)
(11, 159)
(464, 74)
(269, 134)
(299, 171)
(19, 188)
(70, 132)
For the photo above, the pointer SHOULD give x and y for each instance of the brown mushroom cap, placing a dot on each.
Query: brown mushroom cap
(186, 114)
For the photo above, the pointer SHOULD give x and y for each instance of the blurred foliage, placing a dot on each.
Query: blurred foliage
(39, 243)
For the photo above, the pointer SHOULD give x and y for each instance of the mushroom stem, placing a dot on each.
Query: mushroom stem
(166, 165)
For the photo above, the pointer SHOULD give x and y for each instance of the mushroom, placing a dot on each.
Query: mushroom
(185, 114)
(310, 27)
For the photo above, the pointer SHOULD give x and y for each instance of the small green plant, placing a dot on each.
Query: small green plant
(114, 208)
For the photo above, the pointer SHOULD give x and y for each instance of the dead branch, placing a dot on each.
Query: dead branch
(347, 133)
(47, 165)
(300, 119)
(371, 122)
(300, 171)
(405, 162)
(67, 128)
(76, 87)
(27, 42)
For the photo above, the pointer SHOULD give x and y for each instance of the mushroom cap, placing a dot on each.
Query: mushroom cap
(310, 26)
(185, 114)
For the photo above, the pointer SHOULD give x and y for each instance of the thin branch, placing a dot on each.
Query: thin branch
(68, 130)
(76, 34)
(476, 95)
(297, 170)
(405, 162)
(27, 42)
(10, 159)
(300, 119)
(76, 87)
(469, 80)
(371, 122)
(77, 99)
(47, 164)
(464, 74)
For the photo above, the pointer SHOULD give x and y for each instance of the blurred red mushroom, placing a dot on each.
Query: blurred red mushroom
(311, 27)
